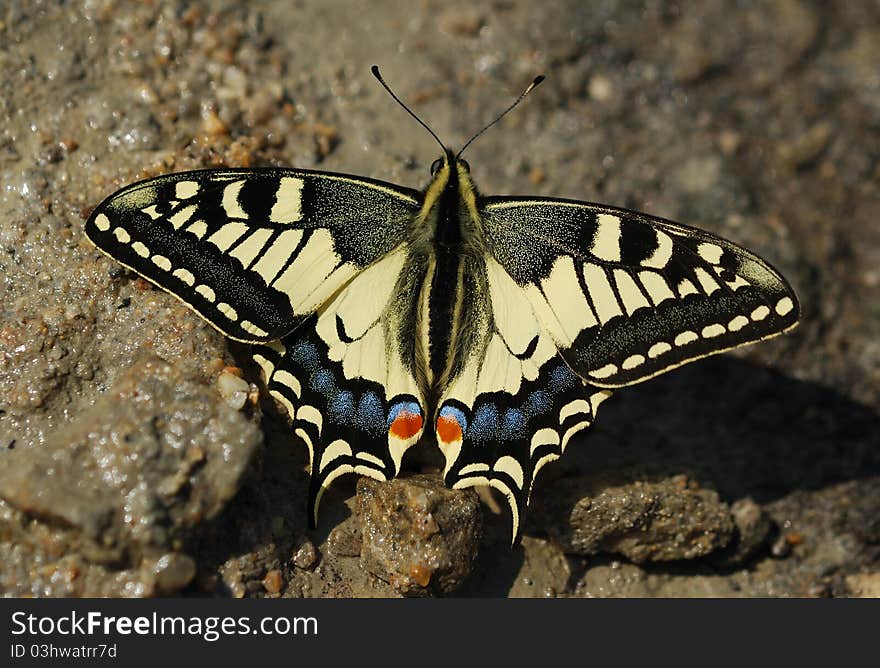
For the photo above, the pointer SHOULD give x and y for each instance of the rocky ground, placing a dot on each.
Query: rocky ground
(138, 455)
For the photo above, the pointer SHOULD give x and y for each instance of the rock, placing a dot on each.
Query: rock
(753, 527)
(306, 555)
(643, 521)
(154, 457)
(418, 535)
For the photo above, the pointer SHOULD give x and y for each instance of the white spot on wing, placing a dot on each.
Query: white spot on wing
(141, 249)
(230, 200)
(606, 239)
(185, 276)
(102, 222)
(659, 348)
(685, 338)
(288, 201)
(162, 262)
(185, 189)
(605, 371)
(737, 323)
(227, 235)
(511, 467)
(227, 310)
(760, 313)
(251, 328)
(662, 253)
(206, 292)
(633, 361)
(711, 253)
(337, 448)
(198, 228)
(784, 306)
(121, 235)
(686, 288)
(713, 330)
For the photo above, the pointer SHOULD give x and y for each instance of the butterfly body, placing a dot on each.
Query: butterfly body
(381, 315)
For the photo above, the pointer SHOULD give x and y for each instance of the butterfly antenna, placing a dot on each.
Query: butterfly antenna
(537, 80)
(375, 70)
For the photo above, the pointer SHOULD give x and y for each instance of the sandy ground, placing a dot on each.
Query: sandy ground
(125, 471)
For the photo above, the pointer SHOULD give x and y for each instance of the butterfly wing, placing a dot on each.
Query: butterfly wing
(253, 251)
(626, 296)
(346, 377)
(515, 403)
(573, 300)
(311, 258)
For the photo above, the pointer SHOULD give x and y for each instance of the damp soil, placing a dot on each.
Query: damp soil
(139, 455)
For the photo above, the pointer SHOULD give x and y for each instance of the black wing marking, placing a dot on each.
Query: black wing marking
(253, 251)
(626, 296)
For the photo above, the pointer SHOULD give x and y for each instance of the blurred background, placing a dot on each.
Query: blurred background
(127, 468)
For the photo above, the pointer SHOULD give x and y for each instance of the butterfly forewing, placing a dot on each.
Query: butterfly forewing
(626, 296)
(254, 252)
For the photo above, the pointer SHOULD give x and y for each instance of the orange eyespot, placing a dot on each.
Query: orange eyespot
(406, 425)
(448, 429)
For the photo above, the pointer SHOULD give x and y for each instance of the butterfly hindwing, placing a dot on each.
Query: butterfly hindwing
(253, 251)
(347, 381)
(514, 404)
(626, 296)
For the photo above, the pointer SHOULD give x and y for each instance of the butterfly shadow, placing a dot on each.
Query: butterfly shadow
(730, 425)
(743, 430)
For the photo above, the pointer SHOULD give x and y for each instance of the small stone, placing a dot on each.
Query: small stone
(273, 582)
(418, 536)
(233, 389)
(753, 527)
(306, 555)
(173, 571)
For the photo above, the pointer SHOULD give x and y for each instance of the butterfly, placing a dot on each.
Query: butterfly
(380, 314)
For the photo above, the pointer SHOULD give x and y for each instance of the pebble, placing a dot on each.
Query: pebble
(233, 389)
(173, 571)
(418, 535)
(306, 555)
(273, 582)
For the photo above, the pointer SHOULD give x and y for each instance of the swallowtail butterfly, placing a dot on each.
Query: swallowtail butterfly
(497, 323)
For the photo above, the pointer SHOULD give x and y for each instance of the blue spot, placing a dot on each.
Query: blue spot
(306, 355)
(341, 408)
(401, 406)
(370, 414)
(323, 382)
(538, 403)
(561, 378)
(485, 424)
(514, 426)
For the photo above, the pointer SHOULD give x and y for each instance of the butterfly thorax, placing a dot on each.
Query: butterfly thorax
(447, 221)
